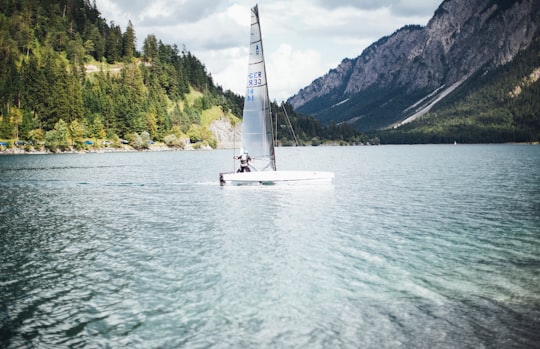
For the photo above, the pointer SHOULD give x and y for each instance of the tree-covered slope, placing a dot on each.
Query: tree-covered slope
(47, 94)
(66, 76)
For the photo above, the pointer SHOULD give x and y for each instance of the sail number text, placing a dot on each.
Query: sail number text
(255, 79)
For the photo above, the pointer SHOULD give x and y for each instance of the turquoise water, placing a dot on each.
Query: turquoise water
(413, 246)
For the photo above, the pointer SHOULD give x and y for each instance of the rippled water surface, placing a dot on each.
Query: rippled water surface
(413, 246)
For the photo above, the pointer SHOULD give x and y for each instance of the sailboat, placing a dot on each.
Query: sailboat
(257, 131)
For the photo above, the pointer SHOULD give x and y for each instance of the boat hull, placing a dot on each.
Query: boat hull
(276, 177)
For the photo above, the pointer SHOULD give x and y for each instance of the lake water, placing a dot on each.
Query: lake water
(412, 247)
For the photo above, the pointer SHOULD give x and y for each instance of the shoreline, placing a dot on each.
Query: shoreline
(102, 150)
(164, 148)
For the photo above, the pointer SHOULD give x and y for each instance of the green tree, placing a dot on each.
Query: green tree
(75, 52)
(133, 92)
(93, 44)
(76, 133)
(15, 118)
(36, 89)
(5, 127)
(113, 44)
(95, 127)
(58, 138)
(150, 48)
(36, 136)
(195, 133)
(28, 124)
(129, 42)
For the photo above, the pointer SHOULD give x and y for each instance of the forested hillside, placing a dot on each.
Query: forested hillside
(69, 79)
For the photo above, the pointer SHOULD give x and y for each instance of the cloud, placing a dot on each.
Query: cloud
(303, 39)
(201, 34)
(415, 8)
(288, 68)
(171, 12)
(160, 12)
(398, 7)
(228, 67)
(361, 4)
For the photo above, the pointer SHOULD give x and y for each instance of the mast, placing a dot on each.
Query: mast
(257, 131)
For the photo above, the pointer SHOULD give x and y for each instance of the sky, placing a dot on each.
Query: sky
(302, 39)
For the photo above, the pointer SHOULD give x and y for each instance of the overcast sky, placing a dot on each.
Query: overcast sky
(303, 39)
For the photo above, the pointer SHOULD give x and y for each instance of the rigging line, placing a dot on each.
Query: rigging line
(275, 134)
(234, 146)
(290, 125)
(292, 131)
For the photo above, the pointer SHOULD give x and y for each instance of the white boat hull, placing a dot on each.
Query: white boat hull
(276, 177)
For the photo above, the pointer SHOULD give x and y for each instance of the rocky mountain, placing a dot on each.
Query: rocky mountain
(404, 75)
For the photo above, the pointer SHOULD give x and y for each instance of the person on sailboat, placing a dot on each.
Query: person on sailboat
(245, 159)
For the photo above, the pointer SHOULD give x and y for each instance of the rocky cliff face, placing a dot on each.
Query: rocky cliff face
(227, 135)
(401, 76)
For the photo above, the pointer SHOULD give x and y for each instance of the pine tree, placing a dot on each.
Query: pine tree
(150, 48)
(15, 118)
(129, 41)
(113, 44)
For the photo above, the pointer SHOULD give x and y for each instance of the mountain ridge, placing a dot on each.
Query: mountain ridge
(402, 76)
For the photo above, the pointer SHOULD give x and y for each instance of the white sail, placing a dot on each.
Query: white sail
(257, 137)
